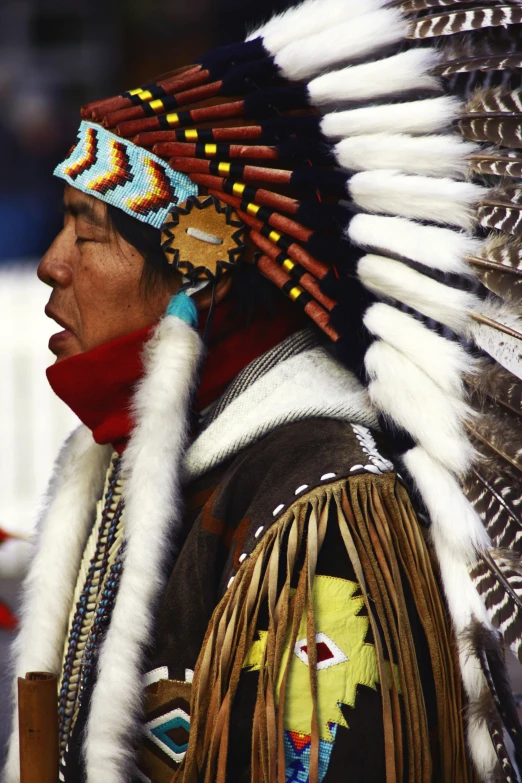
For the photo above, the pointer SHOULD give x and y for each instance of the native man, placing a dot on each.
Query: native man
(285, 544)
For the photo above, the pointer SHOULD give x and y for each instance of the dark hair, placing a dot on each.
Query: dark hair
(251, 289)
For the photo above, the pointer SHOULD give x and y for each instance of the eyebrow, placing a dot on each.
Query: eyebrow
(83, 209)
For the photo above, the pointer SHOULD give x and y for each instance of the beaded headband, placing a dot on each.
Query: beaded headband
(118, 172)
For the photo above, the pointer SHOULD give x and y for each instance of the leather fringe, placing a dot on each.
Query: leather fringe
(382, 538)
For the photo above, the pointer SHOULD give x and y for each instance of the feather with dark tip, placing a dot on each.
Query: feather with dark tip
(458, 21)
(501, 129)
(498, 579)
(498, 163)
(491, 499)
(495, 101)
(423, 5)
(501, 209)
(494, 381)
(487, 650)
(499, 62)
(500, 267)
(501, 431)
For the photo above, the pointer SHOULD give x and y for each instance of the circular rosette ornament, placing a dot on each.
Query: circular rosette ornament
(203, 238)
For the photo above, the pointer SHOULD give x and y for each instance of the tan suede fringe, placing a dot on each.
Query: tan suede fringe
(381, 535)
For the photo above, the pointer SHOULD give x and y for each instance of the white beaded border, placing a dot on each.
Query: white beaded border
(277, 510)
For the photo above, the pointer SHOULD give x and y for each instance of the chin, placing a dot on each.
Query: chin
(64, 345)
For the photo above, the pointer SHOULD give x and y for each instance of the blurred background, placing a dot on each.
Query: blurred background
(56, 55)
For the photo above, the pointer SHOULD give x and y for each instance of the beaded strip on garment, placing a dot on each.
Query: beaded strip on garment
(94, 596)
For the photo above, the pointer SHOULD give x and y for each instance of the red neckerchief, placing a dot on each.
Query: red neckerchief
(98, 385)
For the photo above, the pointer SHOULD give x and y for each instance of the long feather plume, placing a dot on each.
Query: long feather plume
(497, 162)
(458, 21)
(499, 267)
(501, 210)
(498, 62)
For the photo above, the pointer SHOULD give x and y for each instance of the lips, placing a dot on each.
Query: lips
(56, 341)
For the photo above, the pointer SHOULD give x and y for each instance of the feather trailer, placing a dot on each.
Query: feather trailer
(350, 40)
(497, 576)
(501, 210)
(500, 431)
(438, 248)
(499, 266)
(496, 708)
(498, 62)
(497, 499)
(505, 348)
(458, 21)
(392, 279)
(434, 156)
(411, 6)
(424, 198)
(427, 116)
(403, 72)
(403, 392)
(494, 115)
(492, 381)
(308, 18)
(497, 162)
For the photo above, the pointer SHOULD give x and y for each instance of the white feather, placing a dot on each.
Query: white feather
(507, 350)
(405, 394)
(389, 76)
(392, 279)
(428, 116)
(457, 531)
(152, 459)
(309, 18)
(433, 156)
(361, 36)
(444, 361)
(439, 248)
(49, 586)
(425, 198)
(465, 605)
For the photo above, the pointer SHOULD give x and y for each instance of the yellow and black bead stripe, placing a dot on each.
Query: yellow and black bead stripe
(205, 150)
(173, 119)
(144, 94)
(296, 293)
(159, 106)
(204, 135)
(292, 268)
(282, 241)
(226, 169)
(262, 213)
(240, 190)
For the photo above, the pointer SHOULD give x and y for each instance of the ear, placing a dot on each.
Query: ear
(203, 299)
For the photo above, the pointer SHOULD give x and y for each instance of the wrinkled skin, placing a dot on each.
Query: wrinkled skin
(95, 276)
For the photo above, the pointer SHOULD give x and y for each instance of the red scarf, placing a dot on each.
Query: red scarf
(98, 385)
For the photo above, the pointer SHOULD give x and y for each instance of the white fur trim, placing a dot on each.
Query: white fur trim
(77, 484)
(428, 116)
(505, 349)
(434, 156)
(444, 361)
(309, 18)
(309, 384)
(439, 248)
(346, 41)
(464, 604)
(389, 76)
(410, 398)
(425, 198)
(151, 465)
(457, 526)
(393, 279)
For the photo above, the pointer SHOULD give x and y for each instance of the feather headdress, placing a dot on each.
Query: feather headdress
(373, 152)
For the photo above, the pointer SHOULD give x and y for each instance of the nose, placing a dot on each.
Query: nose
(55, 268)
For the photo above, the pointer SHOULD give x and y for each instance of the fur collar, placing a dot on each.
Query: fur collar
(308, 385)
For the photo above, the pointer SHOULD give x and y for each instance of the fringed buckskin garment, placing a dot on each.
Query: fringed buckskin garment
(299, 584)
(254, 598)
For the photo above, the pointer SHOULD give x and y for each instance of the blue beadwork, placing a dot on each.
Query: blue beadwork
(118, 172)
